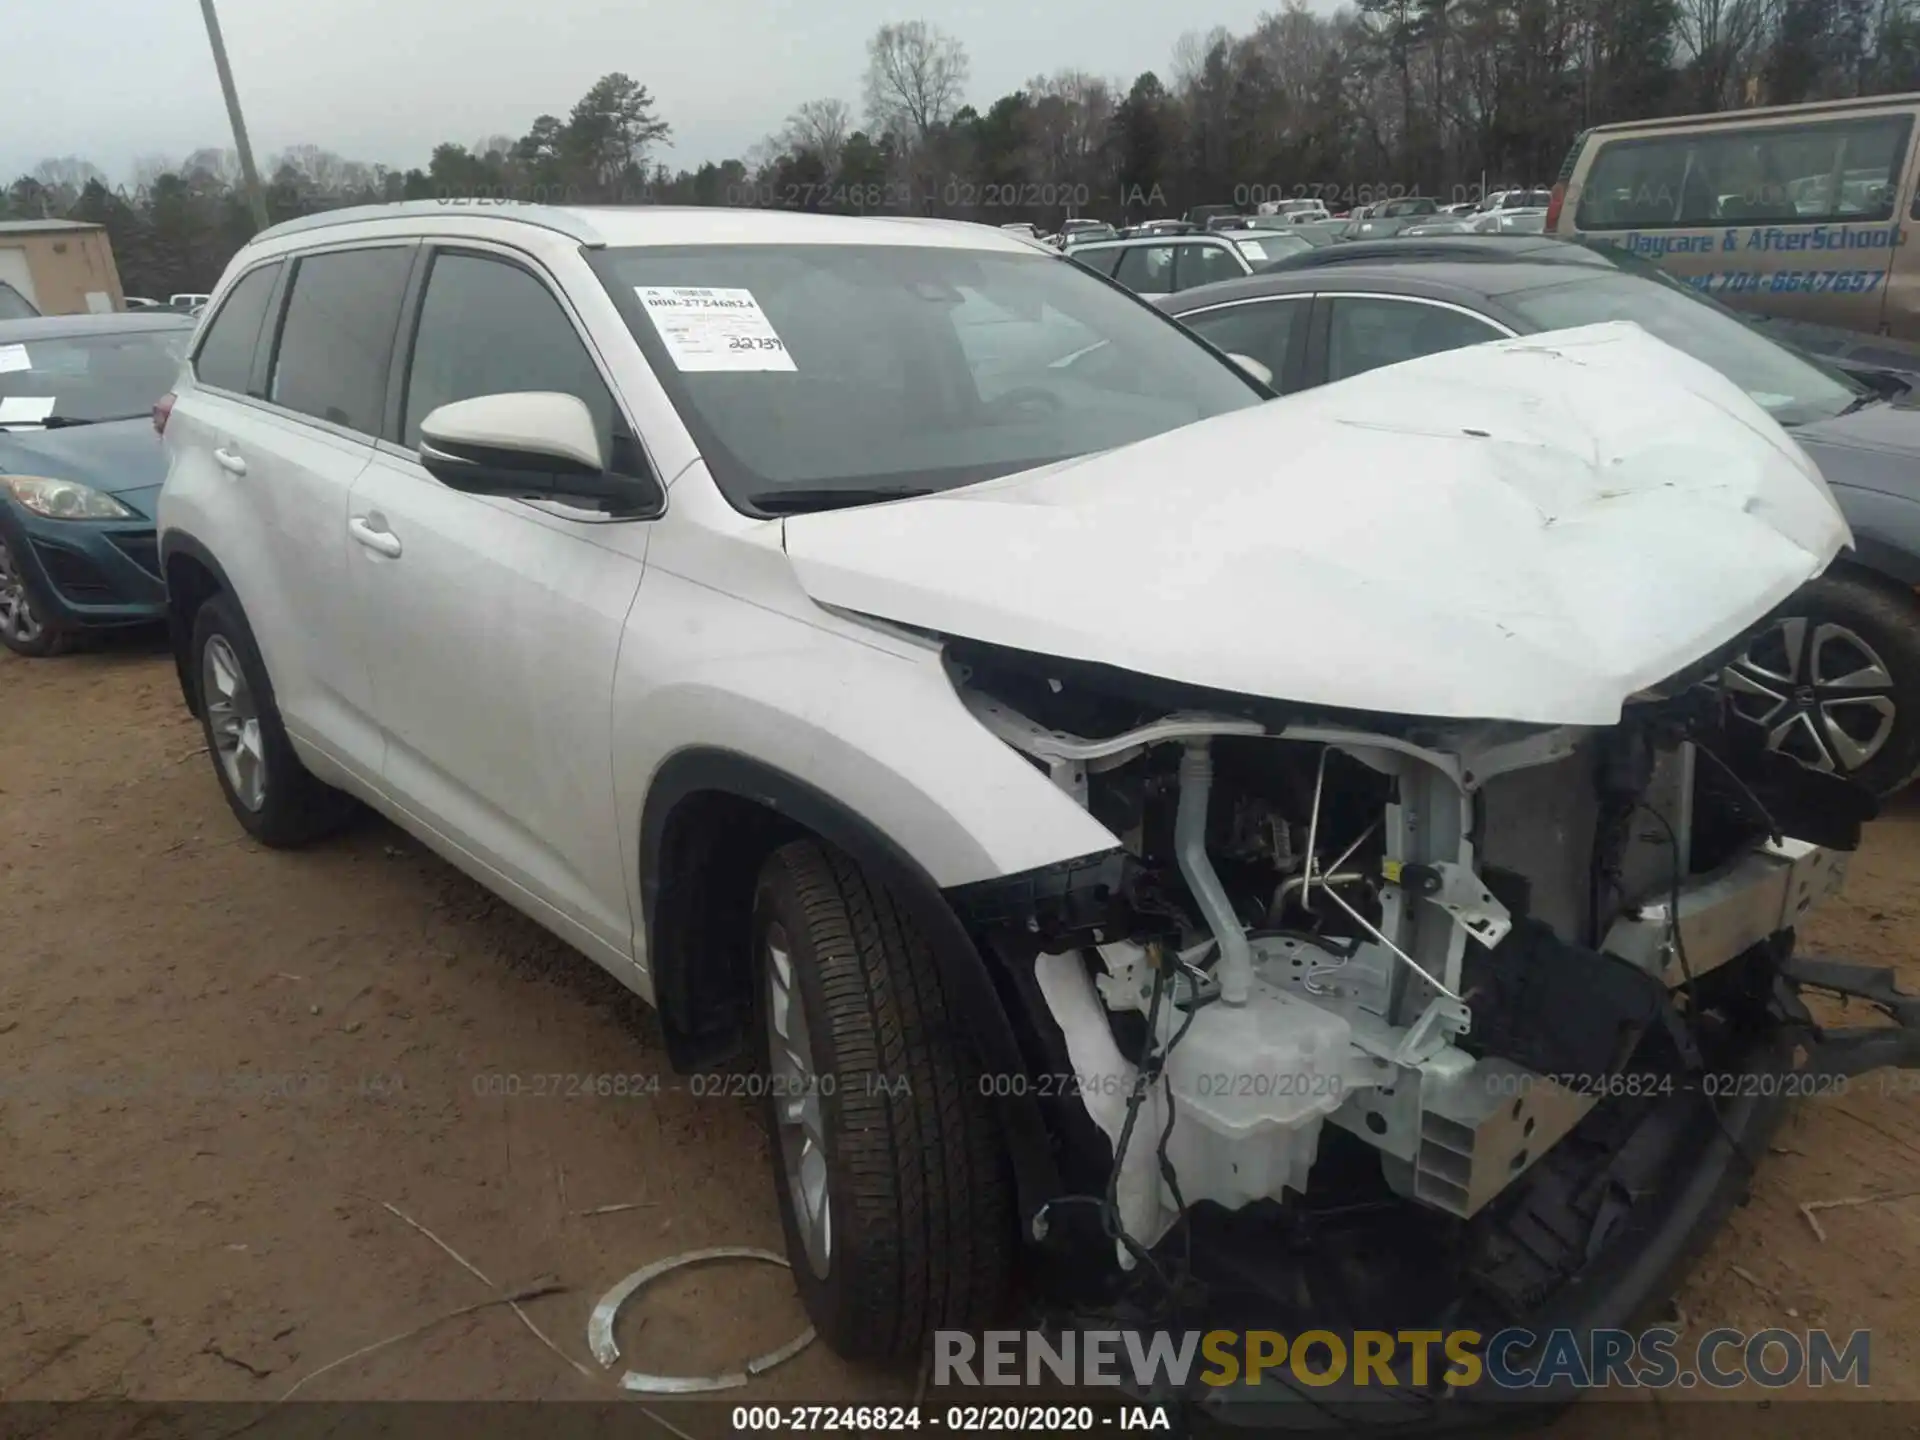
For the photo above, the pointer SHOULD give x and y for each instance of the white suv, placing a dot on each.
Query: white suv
(909, 659)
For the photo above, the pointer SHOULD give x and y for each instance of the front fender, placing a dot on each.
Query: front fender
(865, 717)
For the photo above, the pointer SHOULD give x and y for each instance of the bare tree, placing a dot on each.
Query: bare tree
(915, 77)
(324, 171)
(65, 176)
(150, 167)
(820, 127)
(1068, 119)
(221, 167)
(1190, 53)
(1721, 37)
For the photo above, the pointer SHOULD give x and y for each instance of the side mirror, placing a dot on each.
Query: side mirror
(532, 445)
(1254, 368)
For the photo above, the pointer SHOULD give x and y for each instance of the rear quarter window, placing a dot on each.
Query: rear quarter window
(225, 357)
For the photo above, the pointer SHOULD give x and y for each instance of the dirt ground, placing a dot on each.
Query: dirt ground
(226, 1074)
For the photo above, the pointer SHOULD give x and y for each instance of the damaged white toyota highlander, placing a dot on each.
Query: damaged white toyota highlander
(1217, 860)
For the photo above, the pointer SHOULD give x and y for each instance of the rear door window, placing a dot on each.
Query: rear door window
(1204, 264)
(1095, 259)
(337, 335)
(226, 352)
(1830, 171)
(1146, 269)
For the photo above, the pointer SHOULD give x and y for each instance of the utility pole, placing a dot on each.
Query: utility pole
(256, 200)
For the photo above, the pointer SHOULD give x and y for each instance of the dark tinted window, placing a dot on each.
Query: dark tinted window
(14, 305)
(1101, 260)
(1262, 331)
(226, 355)
(1204, 264)
(490, 328)
(1366, 333)
(1146, 269)
(1832, 171)
(338, 335)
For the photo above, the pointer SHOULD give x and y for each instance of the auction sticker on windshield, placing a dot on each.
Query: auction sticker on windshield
(14, 357)
(713, 329)
(25, 409)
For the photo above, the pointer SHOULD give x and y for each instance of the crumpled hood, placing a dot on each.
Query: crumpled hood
(1529, 530)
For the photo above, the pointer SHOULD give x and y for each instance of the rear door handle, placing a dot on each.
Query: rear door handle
(380, 541)
(230, 462)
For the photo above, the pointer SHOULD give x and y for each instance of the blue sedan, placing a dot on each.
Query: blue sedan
(80, 468)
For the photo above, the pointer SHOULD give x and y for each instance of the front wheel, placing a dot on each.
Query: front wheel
(894, 1191)
(23, 628)
(1835, 682)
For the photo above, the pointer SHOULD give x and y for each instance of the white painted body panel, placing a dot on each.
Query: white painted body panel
(1621, 511)
(751, 665)
(491, 642)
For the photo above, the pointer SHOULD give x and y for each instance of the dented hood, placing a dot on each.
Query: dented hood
(1528, 530)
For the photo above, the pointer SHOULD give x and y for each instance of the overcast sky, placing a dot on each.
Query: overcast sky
(385, 80)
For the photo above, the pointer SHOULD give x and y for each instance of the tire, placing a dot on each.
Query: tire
(919, 1201)
(1840, 626)
(24, 628)
(290, 807)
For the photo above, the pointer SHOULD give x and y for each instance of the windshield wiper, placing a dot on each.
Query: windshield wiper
(789, 502)
(66, 422)
(1861, 402)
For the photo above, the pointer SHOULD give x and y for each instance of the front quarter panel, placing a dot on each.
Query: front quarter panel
(869, 719)
(1886, 532)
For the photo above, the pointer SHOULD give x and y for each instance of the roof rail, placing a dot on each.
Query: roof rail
(547, 217)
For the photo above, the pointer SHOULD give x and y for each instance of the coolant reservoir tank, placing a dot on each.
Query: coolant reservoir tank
(1251, 1084)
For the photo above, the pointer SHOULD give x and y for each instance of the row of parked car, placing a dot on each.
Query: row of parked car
(923, 668)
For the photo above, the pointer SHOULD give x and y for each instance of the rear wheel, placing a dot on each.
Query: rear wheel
(24, 629)
(893, 1187)
(270, 792)
(1835, 682)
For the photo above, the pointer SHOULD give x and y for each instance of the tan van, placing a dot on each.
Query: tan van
(1801, 210)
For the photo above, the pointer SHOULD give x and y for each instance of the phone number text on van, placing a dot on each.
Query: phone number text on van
(1787, 282)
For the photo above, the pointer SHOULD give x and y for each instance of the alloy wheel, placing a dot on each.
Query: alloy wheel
(233, 719)
(17, 618)
(796, 1102)
(1821, 692)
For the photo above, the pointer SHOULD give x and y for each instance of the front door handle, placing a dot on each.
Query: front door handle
(380, 541)
(228, 461)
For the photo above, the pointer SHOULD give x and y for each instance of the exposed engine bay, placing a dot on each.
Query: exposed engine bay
(1445, 943)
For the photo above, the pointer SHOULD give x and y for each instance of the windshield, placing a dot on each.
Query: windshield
(813, 375)
(1791, 389)
(112, 376)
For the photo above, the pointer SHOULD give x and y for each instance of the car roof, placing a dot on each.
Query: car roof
(1456, 280)
(644, 225)
(1424, 249)
(62, 327)
(1133, 242)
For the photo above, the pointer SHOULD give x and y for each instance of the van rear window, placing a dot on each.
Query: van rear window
(1829, 171)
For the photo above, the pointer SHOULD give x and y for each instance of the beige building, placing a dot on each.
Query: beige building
(65, 267)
